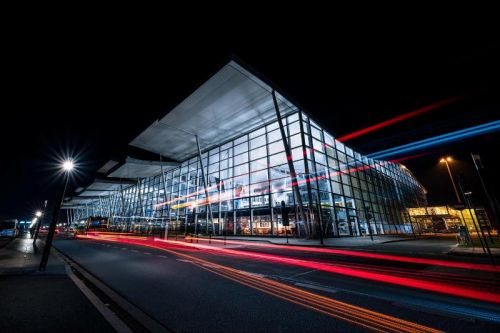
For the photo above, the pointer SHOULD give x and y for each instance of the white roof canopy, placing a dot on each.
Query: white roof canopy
(134, 168)
(108, 166)
(229, 104)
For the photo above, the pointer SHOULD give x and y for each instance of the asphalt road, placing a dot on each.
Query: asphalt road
(183, 294)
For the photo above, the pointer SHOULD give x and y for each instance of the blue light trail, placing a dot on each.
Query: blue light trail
(438, 140)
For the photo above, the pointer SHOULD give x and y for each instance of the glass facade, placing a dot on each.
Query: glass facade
(343, 193)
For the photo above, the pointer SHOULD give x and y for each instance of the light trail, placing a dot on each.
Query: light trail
(438, 287)
(399, 118)
(371, 320)
(378, 256)
(438, 140)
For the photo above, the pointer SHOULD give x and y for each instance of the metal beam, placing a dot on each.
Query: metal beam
(205, 183)
(293, 174)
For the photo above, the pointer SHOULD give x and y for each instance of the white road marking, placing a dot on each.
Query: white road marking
(109, 315)
(312, 286)
(184, 260)
(303, 273)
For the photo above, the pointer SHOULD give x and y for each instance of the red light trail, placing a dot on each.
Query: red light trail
(399, 118)
(416, 283)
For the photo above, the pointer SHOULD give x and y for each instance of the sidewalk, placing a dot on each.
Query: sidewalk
(46, 301)
(474, 251)
(329, 242)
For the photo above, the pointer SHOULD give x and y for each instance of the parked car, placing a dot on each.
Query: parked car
(9, 228)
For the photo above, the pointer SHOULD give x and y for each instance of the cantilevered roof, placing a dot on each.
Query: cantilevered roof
(102, 187)
(134, 168)
(232, 102)
(93, 193)
(108, 166)
(79, 201)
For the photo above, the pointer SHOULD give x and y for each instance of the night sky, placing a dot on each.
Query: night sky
(89, 96)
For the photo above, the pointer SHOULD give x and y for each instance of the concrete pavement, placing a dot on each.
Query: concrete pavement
(46, 301)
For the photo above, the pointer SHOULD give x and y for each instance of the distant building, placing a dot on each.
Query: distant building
(446, 219)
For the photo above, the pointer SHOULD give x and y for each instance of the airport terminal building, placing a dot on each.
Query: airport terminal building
(231, 156)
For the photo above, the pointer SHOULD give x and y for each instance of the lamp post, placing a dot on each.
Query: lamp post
(67, 167)
(445, 160)
(38, 217)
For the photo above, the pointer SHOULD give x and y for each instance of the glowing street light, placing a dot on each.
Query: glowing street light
(445, 160)
(38, 213)
(68, 165)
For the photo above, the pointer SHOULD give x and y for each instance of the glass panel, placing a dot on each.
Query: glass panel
(295, 141)
(258, 142)
(293, 117)
(272, 126)
(274, 136)
(258, 132)
(225, 174)
(319, 158)
(318, 145)
(240, 140)
(260, 188)
(258, 176)
(279, 171)
(242, 158)
(297, 153)
(276, 147)
(260, 201)
(258, 164)
(224, 164)
(214, 158)
(316, 133)
(279, 185)
(294, 128)
(241, 169)
(328, 139)
(258, 153)
(241, 148)
(287, 197)
(226, 153)
(277, 159)
(213, 168)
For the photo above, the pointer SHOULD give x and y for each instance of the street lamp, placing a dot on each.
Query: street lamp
(445, 160)
(67, 166)
(38, 213)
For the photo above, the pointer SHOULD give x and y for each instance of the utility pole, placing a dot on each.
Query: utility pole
(477, 163)
(479, 231)
(40, 220)
(446, 160)
(52, 228)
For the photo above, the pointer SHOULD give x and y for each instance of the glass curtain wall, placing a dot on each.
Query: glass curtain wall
(247, 179)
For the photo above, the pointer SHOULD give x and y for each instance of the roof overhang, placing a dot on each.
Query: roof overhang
(107, 166)
(231, 103)
(134, 168)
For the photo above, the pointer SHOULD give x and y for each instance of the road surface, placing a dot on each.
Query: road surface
(242, 287)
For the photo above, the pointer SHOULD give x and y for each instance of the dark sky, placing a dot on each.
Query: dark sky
(89, 95)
